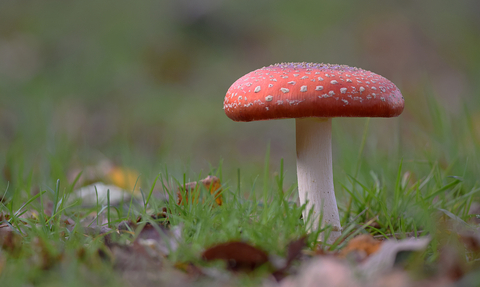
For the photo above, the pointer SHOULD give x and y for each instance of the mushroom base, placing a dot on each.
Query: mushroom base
(314, 172)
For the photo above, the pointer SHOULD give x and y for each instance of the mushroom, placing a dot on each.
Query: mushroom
(313, 94)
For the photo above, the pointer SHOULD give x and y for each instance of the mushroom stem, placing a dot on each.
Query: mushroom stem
(314, 172)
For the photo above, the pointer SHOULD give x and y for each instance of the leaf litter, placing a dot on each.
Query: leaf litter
(142, 256)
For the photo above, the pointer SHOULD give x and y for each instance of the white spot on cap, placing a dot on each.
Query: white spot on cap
(270, 85)
(268, 98)
(257, 89)
(279, 102)
(319, 88)
(373, 88)
(245, 98)
(317, 73)
(304, 77)
(291, 82)
(349, 81)
(374, 95)
(320, 78)
(345, 101)
(333, 82)
(303, 88)
(296, 75)
(239, 97)
(383, 99)
(294, 102)
(331, 93)
(362, 89)
(266, 108)
(343, 90)
(284, 90)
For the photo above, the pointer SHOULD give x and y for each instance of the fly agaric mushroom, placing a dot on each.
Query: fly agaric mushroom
(313, 94)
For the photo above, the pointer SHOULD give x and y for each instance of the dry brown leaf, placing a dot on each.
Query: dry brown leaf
(452, 263)
(361, 247)
(294, 250)
(471, 240)
(211, 183)
(239, 256)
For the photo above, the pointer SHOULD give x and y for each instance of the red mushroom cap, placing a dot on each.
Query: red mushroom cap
(300, 90)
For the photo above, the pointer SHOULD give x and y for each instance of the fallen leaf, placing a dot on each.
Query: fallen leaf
(109, 173)
(211, 183)
(384, 259)
(360, 247)
(452, 263)
(124, 178)
(471, 240)
(238, 256)
(88, 195)
(294, 250)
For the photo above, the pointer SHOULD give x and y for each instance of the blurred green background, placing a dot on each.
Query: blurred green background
(142, 84)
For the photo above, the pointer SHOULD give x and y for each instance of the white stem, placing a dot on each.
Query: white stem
(314, 172)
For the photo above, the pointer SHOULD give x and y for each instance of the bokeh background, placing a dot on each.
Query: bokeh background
(142, 84)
